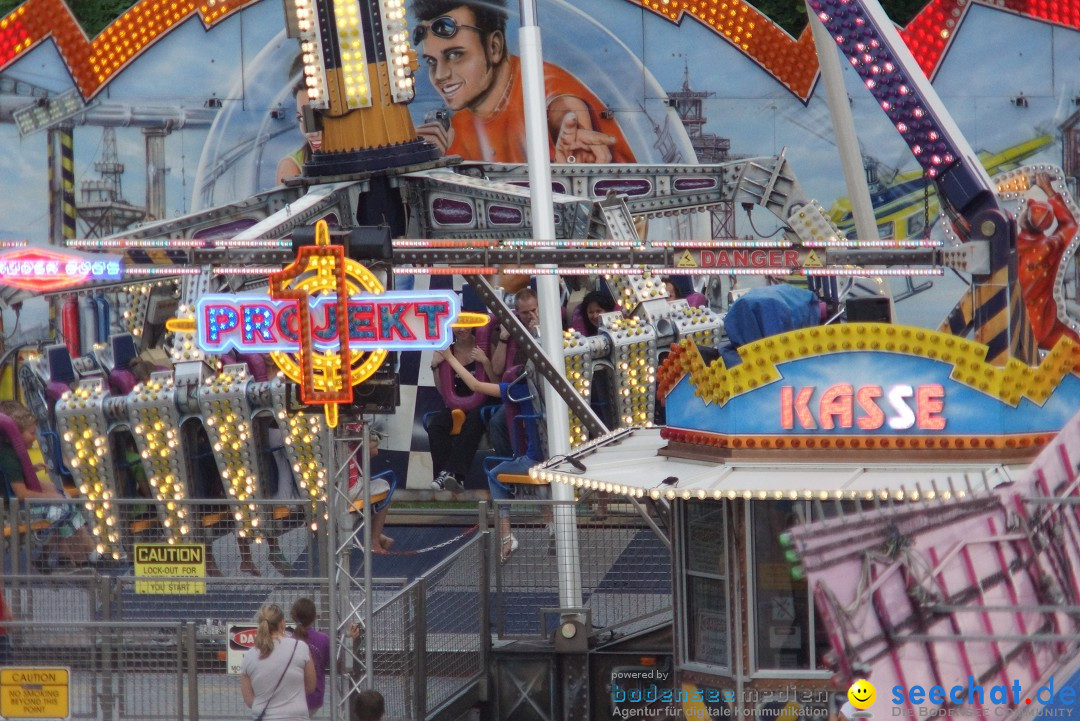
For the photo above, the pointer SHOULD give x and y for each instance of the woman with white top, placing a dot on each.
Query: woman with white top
(277, 671)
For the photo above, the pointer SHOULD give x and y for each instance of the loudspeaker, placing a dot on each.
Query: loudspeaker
(876, 309)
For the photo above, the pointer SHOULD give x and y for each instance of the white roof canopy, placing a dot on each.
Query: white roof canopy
(628, 462)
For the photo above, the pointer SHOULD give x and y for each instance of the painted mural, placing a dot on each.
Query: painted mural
(177, 114)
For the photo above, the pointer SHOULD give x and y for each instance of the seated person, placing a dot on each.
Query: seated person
(75, 544)
(586, 318)
(452, 454)
(505, 359)
(510, 393)
(380, 542)
(675, 288)
(133, 478)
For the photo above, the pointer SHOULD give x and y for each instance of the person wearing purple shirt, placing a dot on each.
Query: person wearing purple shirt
(303, 613)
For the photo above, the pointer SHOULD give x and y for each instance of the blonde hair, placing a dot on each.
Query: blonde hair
(19, 413)
(270, 619)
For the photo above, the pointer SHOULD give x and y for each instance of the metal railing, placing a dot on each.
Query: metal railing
(625, 569)
(145, 656)
(431, 638)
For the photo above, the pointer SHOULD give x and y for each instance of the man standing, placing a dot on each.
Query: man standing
(464, 47)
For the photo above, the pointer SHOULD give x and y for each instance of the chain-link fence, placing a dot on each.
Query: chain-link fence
(625, 567)
(148, 656)
(431, 638)
(57, 535)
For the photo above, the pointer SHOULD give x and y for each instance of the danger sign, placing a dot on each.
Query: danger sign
(239, 637)
(780, 258)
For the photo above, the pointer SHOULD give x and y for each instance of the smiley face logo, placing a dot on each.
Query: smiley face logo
(862, 694)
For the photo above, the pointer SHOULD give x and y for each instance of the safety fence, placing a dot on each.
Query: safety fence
(430, 638)
(625, 568)
(135, 655)
(280, 537)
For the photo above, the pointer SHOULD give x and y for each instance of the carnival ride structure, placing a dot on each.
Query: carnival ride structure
(475, 219)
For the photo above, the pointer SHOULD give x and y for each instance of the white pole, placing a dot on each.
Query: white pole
(847, 142)
(551, 335)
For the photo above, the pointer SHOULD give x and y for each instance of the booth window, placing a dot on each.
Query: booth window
(785, 633)
(705, 584)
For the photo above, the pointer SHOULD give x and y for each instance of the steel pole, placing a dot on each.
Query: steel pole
(551, 335)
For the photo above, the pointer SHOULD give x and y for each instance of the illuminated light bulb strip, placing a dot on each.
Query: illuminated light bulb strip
(354, 62)
(868, 39)
(140, 270)
(246, 269)
(135, 301)
(747, 494)
(699, 325)
(578, 367)
(405, 244)
(618, 271)
(223, 402)
(93, 63)
(156, 430)
(307, 442)
(885, 243)
(631, 289)
(804, 442)
(839, 242)
(185, 348)
(813, 225)
(100, 243)
(1012, 186)
(12, 244)
(396, 44)
(1009, 384)
(84, 439)
(311, 52)
(792, 62)
(634, 355)
(869, 271)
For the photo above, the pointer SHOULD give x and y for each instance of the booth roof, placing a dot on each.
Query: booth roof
(629, 463)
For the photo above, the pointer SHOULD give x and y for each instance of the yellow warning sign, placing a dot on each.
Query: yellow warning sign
(686, 260)
(167, 566)
(34, 692)
(812, 260)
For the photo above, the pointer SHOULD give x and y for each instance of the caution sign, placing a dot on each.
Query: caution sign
(34, 692)
(168, 566)
(686, 260)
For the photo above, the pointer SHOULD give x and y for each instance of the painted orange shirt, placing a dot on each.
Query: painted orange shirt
(500, 138)
(1039, 258)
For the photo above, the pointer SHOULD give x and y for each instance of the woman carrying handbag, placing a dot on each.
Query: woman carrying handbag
(277, 671)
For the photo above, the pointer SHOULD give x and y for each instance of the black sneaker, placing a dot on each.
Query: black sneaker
(447, 481)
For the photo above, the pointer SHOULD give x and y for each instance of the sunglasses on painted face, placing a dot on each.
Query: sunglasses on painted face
(444, 27)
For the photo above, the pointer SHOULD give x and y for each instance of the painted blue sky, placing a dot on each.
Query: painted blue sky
(605, 42)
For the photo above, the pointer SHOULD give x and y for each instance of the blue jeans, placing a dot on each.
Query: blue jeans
(519, 466)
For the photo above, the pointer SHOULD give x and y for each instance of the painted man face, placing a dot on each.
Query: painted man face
(462, 67)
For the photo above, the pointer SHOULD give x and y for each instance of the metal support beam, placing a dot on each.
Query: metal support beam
(532, 350)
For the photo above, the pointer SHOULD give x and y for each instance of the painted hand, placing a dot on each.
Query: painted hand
(581, 145)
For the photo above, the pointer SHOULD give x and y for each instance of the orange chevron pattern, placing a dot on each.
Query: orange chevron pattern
(93, 63)
(793, 62)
